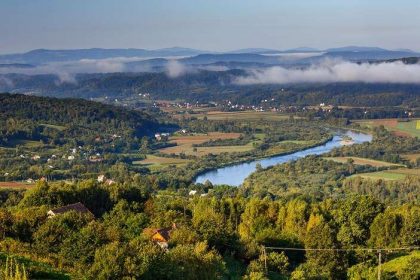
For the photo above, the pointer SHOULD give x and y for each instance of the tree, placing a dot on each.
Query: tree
(50, 236)
(135, 260)
(195, 261)
(321, 235)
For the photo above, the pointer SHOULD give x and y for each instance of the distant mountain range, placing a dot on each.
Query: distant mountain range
(41, 56)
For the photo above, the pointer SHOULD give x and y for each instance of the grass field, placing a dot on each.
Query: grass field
(185, 144)
(363, 161)
(58, 127)
(15, 185)
(26, 143)
(401, 128)
(155, 162)
(396, 174)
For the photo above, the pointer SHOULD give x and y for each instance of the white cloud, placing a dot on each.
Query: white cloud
(175, 69)
(335, 71)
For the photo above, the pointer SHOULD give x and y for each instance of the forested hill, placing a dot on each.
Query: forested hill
(208, 86)
(32, 117)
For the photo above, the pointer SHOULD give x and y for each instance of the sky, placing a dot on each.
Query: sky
(214, 25)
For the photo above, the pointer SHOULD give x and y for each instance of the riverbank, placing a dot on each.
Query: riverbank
(260, 157)
(234, 174)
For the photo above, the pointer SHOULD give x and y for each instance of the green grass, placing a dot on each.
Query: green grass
(404, 128)
(399, 267)
(409, 127)
(37, 270)
(58, 127)
(155, 163)
(27, 143)
(390, 175)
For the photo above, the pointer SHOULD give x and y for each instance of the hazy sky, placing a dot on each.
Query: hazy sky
(207, 24)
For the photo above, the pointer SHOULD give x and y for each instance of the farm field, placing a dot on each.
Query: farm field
(396, 174)
(411, 157)
(155, 162)
(15, 185)
(400, 128)
(363, 161)
(185, 144)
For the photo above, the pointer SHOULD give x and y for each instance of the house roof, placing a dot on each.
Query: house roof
(78, 207)
(165, 232)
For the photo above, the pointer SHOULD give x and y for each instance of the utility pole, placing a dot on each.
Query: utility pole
(379, 264)
(265, 259)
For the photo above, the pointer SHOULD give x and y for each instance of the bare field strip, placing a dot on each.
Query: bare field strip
(15, 185)
(363, 161)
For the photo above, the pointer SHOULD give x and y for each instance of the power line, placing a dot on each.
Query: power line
(377, 250)
(344, 249)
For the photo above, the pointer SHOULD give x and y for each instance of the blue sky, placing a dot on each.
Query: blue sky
(207, 24)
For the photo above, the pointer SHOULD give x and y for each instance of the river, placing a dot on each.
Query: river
(234, 175)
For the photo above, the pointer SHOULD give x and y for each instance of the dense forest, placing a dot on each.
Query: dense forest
(28, 117)
(226, 235)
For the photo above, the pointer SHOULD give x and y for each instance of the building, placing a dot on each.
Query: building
(161, 236)
(77, 207)
(101, 178)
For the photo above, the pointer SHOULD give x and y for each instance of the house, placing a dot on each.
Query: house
(36, 157)
(78, 207)
(95, 158)
(101, 178)
(70, 157)
(161, 236)
(192, 192)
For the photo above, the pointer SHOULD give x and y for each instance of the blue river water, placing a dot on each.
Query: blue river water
(234, 175)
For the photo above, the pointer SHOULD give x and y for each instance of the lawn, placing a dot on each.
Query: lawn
(363, 161)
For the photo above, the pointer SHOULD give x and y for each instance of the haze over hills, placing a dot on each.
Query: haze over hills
(42, 56)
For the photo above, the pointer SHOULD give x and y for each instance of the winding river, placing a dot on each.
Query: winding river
(234, 175)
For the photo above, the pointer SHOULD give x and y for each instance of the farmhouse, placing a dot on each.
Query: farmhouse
(161, 236)
(78, 207)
